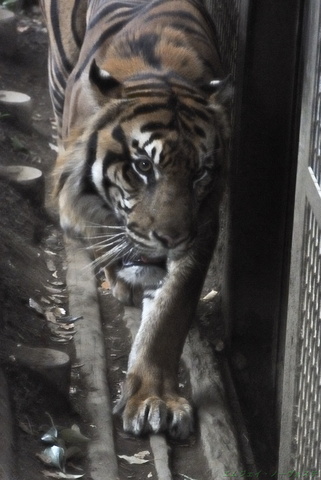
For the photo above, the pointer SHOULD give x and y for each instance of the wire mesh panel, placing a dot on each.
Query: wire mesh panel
(300, 440)
(315, 159)
(230, 18)
(227, 18)
(307, 420)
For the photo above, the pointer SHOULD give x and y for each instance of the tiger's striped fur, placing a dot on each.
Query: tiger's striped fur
(140, 171)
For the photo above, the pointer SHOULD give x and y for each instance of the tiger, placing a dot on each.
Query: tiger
(142, 109)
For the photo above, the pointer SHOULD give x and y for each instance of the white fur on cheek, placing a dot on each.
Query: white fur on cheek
(97, 176)
(157, 146)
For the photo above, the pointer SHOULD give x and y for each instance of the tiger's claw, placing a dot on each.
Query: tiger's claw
(154, 415)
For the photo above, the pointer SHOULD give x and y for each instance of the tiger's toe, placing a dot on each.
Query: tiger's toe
(154, 415)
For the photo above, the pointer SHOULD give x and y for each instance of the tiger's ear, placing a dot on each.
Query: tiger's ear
(106, 83)
(219, 91)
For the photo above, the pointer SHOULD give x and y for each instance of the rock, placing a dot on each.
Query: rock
(53, 365)
(8, 32)
(18, 105)
(28, 180)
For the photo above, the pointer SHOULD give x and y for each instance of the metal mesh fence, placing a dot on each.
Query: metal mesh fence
(315, 159)
(300, 445)
(307, 435)
(227, 19)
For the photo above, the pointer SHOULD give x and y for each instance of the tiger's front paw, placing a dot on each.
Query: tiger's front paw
(172, 414)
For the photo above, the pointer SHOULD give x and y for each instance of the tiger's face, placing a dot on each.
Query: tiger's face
(153, 168)
(153, 152)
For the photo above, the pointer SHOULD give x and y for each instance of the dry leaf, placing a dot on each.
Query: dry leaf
(51, 266)
(73, 436)
(49, 252)
(142, 454)
(57, 300)
(53, 147)
(70, 327)
(133, 460)
(50, 436)
(59, 311)
(53, 456)
(22, 29)
(57, 283)
(49, 474)
(44, 458)
(53, 290)
(26, 428)
(69, 319)
(50, 316)
(61, 339)
(35, 306)
(210, 296)
(45, 300)
(186, 477)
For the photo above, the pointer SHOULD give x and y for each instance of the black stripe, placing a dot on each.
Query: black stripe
(58, 102)
(202, 10)
(199, 131)
(149, 76)
(182, 16)
(54, 14)
(192, 112)
(190, 31)
(144, 47)
(184, 126)
(62, 180)
(147, 127)
(124, 208)
(59, 78)
(110, 9)
(145, 109)
(146, 94)
(103, 37)
(128, 177)
(108, 117)
(154, 136)
(119, 135)
(110, 159)
(74, 17)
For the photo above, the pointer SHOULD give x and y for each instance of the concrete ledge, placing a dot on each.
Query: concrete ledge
(217, 436)
(90, 351)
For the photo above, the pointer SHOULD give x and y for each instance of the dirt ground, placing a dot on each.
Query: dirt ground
(32, 268)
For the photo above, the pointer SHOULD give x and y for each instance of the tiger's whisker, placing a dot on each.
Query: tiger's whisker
(111, 227)
(108, 241)
(111, 255)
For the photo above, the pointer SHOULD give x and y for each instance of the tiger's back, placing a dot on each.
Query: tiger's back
(143, 130)
(125, 39)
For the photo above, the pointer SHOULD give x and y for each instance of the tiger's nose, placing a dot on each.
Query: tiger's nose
(171, 240)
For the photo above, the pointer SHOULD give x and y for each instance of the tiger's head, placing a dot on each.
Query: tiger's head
(137, 171)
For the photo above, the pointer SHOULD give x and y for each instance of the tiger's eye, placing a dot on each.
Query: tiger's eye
(144, 166)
